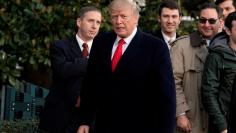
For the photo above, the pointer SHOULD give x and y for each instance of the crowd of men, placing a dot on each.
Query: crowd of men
(130, 81)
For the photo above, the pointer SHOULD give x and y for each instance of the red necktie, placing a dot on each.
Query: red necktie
(117, 54)
(85, 52)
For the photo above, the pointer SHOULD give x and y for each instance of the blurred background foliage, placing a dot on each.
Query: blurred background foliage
(27, 27)
(19, 126)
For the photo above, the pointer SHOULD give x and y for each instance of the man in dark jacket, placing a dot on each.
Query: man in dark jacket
(227, 7)
(218, 75)
(169, 17)
(129, 86)
(232, 111)
(69, 61)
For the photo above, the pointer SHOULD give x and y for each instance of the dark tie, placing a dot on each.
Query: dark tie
(117, 55)
(85, 50)
(170, 41)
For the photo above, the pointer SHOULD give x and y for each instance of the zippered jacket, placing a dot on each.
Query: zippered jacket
(217, 80)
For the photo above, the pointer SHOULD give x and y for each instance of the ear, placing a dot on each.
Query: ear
(180, 19)
(221, 22)
(136, 19)
(227, 30)
(78, 22)
(158, 18)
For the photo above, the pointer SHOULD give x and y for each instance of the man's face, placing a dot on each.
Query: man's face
(232, 32)
(227, 7)
(209, 23)
(169, 20)
(89, 25)
(123, 20)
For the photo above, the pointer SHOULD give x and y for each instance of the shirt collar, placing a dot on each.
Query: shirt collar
(80, 42)
(208, 42)
(129, 38)
(167, 38)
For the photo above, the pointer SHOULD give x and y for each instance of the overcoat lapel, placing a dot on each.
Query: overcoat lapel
(108, 49)
(159, 34)
(197, 42)
(74, 46)
(202, 53)
(131, 51)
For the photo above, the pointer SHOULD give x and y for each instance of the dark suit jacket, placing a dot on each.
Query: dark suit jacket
(69, 69)
(159, 34)
(139, 96)
(232, 112)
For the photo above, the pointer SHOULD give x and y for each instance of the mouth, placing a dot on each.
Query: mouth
(119, 28)
(170, 26)
(92, 32)
(207, 32)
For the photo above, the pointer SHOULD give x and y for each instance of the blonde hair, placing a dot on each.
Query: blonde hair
(120, 3)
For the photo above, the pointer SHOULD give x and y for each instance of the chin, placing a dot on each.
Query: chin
(91, 36)
(122, 35)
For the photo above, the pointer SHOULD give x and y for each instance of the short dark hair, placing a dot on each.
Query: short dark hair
(229, 19)
(86, 9)
(169, 4)
(221, 1)
(210, 5)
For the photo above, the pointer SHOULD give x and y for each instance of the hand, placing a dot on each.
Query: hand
(83, 129)
(78, 102)
(224, 131)
(183, 123)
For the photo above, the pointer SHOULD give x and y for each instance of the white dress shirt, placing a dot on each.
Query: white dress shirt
(126, 44)
(81, 42)
(167, 38)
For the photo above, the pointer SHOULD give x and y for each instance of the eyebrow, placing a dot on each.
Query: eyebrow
(208, 18)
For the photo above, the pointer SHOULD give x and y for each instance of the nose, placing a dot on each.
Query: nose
(224, 12)
(207, 23)
(94, 25)
(170, 20)
(118, 20)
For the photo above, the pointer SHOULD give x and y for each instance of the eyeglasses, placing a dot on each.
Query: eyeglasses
(210, 21)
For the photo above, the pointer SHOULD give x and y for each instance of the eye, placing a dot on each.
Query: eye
(114, 17)
(124, 17)
(90, 20)
(174, 16)
(212, 21)
(98, 22)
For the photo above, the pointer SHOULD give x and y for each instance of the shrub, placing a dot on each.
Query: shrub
(19, 126)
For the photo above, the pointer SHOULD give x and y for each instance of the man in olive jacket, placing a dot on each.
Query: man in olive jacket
(218, 76)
